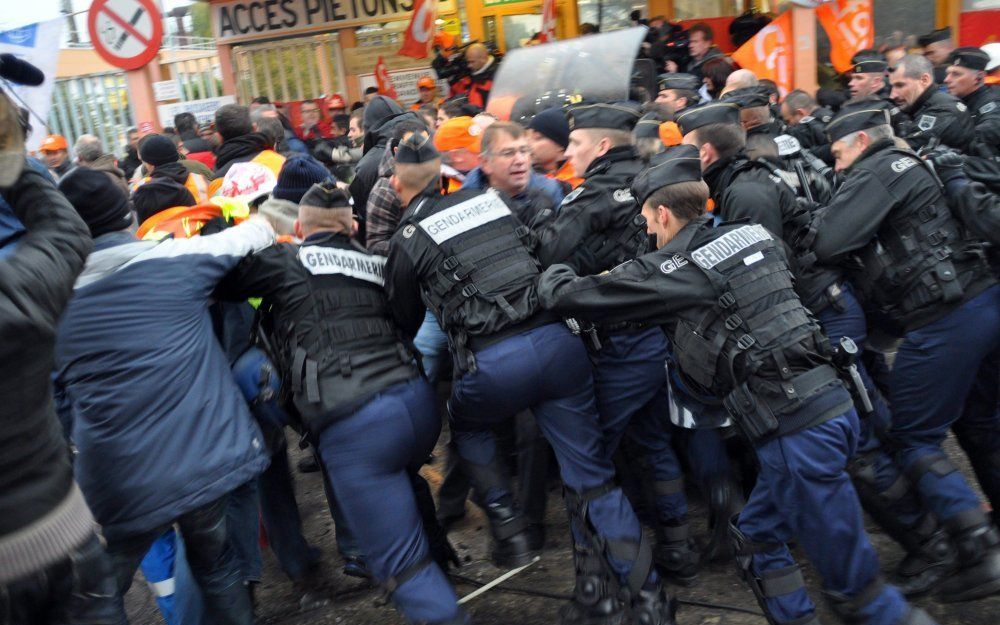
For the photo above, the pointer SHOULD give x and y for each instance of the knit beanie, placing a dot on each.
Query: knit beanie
(298, 175)
(158, 150)
(552, 123)
(101, 203)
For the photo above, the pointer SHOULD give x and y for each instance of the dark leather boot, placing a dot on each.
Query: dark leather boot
(929, 559)
(511, 545)
(725, 499)
(978, 573)
(675, 554)
(654, 607)
(595, 595)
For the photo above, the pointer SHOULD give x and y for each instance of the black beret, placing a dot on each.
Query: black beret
(941, 34)
(972, 58)
(857, 116)
(870, 65)
(614, 116)
(326, 195)
(709, 113)
(680, 163)
(678, 81)
(748, 97)
(648, 126)
(417, 148)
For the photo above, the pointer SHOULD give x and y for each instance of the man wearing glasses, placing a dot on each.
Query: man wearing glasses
(313, 127)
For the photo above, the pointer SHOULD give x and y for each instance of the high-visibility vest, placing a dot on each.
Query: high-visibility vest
(566, 174)
(195, 183)
(270, 159)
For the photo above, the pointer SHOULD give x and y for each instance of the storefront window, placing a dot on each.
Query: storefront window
(695, 9)
(517, 29)
(608, 14)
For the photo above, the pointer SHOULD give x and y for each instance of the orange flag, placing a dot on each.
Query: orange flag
(769, 53)
(548, 21)
(384, 81)
(851, 27)
(419, 35)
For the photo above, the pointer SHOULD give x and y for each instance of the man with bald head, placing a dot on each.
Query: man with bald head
(740, 79)
(482, 68)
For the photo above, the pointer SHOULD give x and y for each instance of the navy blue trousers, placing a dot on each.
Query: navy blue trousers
(803, 493)
(851, 322)
(547, 371)
(367, 456)
(630, 385)
(945, 375)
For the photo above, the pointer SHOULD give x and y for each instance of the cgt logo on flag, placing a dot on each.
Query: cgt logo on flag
(769, 53)
(849, 24)
(383, 81)
(419, 35)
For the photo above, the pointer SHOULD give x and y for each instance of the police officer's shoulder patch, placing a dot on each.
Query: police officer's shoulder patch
(408, 230)
(623, 195)
(673, 263)
(961, 107)
(989, 107)
(572, 195)
(902, 164)
(926, 122)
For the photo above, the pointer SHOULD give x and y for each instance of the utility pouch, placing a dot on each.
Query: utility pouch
(753, 417)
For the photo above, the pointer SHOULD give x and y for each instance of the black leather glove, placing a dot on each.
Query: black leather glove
(595, 254)
(949, 165)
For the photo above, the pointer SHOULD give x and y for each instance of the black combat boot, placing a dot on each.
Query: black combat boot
(511, 545)
(725, 499)
(978, 544)
(595, 596)
(654, 607)
(929, 559)
(675, 555)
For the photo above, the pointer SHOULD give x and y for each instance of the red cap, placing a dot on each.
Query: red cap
(336, 101)
(426, 82)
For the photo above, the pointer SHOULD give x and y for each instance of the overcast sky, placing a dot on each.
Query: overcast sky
(16, 14)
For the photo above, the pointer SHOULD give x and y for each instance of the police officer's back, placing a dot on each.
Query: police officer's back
(354, 382)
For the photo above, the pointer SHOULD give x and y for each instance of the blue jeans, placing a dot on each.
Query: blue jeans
(432, 343)
(803, 493)
(210, 555)
(367, 456)
(547, 371)
(936, 368)
(630, 385)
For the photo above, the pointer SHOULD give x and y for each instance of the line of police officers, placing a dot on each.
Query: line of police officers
(760, 309)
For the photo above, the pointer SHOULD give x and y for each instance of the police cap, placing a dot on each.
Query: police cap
(417, 148)
(941, 34)
(748, 97)
(709, 113)
(326, 195)
(972, 58)
(615, 116)
(870, 65)
(680, 163)
(857, 116)
(648, 126)
(678, 81)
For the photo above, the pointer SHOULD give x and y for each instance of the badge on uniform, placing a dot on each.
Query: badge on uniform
(673, 263)
(961, 107)
(787, 145)
(572, 195)
(623, 195)
(926, 122)
(408, 231)
(989, 107)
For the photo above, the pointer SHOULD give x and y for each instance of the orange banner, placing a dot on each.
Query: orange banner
(383, 81)
(769, 53)
(850, 24)
(419, 35)
(548, 21)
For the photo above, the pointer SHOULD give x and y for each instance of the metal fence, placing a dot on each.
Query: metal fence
(97, 104)
(297, 69)
(197, 73)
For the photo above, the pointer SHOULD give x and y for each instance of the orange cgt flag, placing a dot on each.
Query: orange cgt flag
(850, 24)
(548, 21)
(419, 36)
(769, 53)
(384, 81)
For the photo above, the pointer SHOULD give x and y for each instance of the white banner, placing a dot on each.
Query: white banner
(405, 81)
(35, 44)
(204, 110)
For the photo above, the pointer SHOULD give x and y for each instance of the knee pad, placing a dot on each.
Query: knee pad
(935, 462)
(848, 609)
(767, 584)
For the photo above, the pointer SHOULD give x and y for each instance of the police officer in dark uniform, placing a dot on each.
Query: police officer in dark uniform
(965, 78)
(914, 263)
(807, 123)
(972, 202)
(868, 79)
(935, 117)
(629, 375)
(676, 93)
(352, 378)
(724, 296)
(466, 256)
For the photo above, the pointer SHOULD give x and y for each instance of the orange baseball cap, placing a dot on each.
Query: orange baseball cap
(426, 82)
(336, 101)
(54, 143)
(457, 133)
(670, 134)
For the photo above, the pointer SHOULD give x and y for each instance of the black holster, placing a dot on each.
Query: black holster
(754, 418)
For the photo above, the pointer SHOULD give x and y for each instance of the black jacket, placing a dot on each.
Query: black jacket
(603, 203)
(36, 282)
(130, 163)
(240, 149)
(984, 108)
(194, 144)
(811, 133)
(937, 115)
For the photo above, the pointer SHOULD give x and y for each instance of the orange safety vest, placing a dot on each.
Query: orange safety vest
(270, 159)
(566, 174)
(195, 183)
(181, 222)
